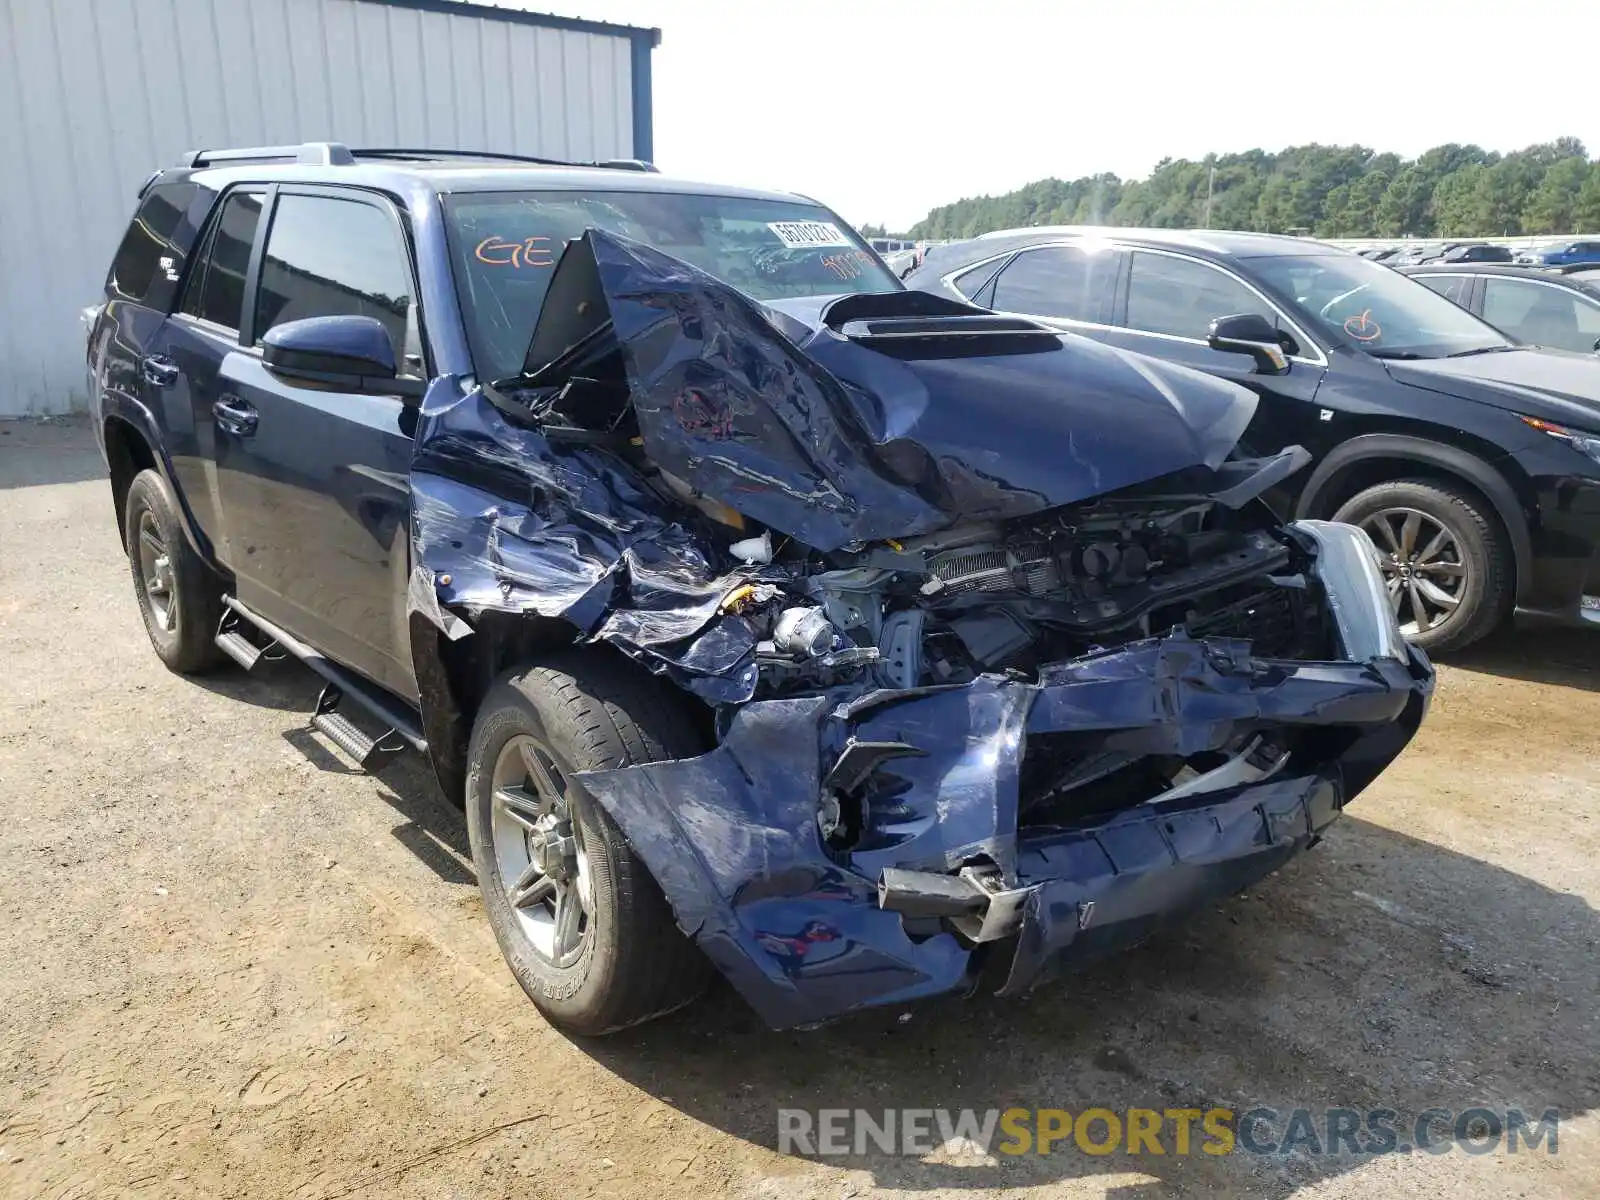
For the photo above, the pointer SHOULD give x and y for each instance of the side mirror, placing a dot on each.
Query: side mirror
(345, 354)
(1252, 334)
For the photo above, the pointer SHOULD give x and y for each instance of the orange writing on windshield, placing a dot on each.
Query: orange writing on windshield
(1363, 328)
(529, 252)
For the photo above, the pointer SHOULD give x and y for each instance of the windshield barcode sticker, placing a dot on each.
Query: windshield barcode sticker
(802, 235)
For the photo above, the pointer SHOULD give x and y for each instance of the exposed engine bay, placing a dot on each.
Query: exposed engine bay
(943, 608)
(999, 637)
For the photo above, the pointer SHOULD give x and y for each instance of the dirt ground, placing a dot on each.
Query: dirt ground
(234, 968)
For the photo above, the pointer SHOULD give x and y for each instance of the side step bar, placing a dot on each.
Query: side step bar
(403, 727)
(232, 641)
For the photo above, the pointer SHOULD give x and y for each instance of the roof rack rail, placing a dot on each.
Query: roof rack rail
(424, 154)
(620, 164)
(322, 154)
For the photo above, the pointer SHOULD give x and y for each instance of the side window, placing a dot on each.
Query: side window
(1541, 314)
(215, 289)
(970, 283)
(1055, 281)
(1452, 287)
(334, 257)
(1182, 297)
(149, 248)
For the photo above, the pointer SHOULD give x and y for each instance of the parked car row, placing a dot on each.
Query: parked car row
(1560, 252)
(769, 617)
(1473, 461)
(1557, 310)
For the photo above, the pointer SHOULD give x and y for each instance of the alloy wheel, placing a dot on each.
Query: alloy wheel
(539, 850)
(155, 573)
(1423, 567)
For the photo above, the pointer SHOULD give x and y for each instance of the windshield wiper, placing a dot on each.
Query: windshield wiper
(1480, 350)
(1396, 354)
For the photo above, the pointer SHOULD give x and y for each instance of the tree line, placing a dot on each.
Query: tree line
(1327, 191)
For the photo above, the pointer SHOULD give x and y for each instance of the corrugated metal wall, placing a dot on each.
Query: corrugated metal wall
(95, 94)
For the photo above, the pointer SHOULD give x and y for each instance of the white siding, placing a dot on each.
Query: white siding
(96, 94)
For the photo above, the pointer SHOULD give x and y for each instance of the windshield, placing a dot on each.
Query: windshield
(505, 245)
(1365, 305)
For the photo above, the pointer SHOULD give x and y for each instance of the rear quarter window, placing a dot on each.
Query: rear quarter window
(149, 262)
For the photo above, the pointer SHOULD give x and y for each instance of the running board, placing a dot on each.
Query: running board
(235, 643)
(402, 727)
(367, 751)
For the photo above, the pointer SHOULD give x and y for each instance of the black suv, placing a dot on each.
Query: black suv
(1473, 462)
(763, 614)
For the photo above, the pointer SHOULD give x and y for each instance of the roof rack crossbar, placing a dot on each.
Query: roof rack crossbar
(321, 154)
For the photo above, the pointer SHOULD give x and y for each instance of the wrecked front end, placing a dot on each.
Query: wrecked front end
(1005, 652)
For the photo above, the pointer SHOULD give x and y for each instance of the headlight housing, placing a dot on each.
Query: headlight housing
(1587, 444)
(1347, 563)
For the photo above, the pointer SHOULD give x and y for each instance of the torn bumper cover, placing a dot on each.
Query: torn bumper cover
(734, 839)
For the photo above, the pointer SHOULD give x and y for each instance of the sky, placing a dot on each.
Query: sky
(883, 109)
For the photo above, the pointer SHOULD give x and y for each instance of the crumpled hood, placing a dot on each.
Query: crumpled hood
(1555, 385)
(868, 417)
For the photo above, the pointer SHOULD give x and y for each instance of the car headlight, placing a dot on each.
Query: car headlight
(1584, 443)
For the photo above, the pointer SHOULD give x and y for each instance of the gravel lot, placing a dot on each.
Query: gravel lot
(234, 967)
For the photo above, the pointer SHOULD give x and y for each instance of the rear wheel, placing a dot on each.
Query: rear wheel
(582, 924)
(1446, 560)
(180, 598)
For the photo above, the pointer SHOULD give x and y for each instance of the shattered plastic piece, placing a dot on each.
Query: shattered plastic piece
(753, 550)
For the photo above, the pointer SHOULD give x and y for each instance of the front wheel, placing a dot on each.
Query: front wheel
(1446, 560)
(583, 925)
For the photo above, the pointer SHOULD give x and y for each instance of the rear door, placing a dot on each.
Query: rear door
(313, 484)
(187, 358)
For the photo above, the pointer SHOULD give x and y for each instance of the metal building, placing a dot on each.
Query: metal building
(95, 94)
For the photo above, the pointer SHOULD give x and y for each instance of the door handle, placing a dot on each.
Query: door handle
(159, 370)
(235, 416)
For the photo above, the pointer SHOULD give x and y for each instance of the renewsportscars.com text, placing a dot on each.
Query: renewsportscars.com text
(1346, 1132)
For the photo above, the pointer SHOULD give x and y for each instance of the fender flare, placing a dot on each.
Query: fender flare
(117, 407)
(1452, 459)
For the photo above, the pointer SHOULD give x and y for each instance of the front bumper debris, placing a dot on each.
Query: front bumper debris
(798, 925)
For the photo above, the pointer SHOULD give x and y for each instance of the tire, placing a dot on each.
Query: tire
(1475, 568)
(179, 596)
(579, 710)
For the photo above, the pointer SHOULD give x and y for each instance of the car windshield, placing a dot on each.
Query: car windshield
(1369, 307)
(505, 245)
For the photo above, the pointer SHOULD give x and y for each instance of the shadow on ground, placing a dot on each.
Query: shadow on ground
(1566, 657)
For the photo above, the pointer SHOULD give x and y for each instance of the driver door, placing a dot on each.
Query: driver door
(313, 483)
(1165, 305)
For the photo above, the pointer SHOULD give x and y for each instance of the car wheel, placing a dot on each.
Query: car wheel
(180, 597)
(582, 923)
(1446, 560)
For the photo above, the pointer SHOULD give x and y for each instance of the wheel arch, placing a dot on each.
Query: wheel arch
(128, 451)
(132, 444)
(1372, 458)
(454, 675)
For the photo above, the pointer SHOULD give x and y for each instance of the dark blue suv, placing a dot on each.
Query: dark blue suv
(743, 597)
